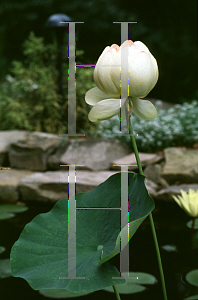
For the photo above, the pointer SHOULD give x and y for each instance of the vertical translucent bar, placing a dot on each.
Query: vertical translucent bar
(124, 254)
(72, 225)
(124, 76)
(71, 82)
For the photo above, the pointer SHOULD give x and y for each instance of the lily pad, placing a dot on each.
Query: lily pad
(170, 248)
(6, 215)
(192, 277)
(189, 224)
(7, 210)
(195, 297)
(5, 270)
(13, 207)
(59, 293)
(127, 289)
(2, 249)
(40, 255)
(133, 285)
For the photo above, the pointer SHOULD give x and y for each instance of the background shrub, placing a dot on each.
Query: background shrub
(29, 98)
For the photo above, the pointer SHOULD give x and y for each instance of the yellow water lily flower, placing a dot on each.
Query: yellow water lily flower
(188, 202)
(142, 74)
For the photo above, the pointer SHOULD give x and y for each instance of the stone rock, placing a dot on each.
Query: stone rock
(94, 154)
(33, 150)
(181, 166)
(153, 172)
(152, 187)
(52, 186)
(6, 138)
(145, 159)
(9, 180)
(162, 184)
(37, 151)
(166, 194)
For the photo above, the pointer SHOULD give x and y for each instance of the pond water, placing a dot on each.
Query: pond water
(170, 222)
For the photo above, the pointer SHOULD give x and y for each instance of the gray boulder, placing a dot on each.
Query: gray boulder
(145, 159)
(32, 151)
(8, 137)
(9, 181)
(174, 190)
(93, 154)
(181, 166)
(52, 186)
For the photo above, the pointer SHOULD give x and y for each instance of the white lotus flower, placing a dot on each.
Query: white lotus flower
(142, 74)
(188, 202)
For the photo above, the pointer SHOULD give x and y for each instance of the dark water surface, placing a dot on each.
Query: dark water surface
(170, 222)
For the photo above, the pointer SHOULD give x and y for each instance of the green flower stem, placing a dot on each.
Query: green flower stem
(192, 230)
(150, 215)
(116, 292)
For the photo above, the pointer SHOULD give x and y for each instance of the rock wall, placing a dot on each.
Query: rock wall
(32, 166)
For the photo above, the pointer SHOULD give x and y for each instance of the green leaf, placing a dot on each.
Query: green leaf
(192, 277)
(132, 285)
(40, 255)
(6, 215)
(2, 249)
(140, 205)
(58, 293)
(143, 278)
(6, 210)
(13, 208)
(5, 270)
(170, 248)
(195, 297)
(189, 224)
(127, 289)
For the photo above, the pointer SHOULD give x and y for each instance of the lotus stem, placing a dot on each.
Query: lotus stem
(150, 216)
(116, 292)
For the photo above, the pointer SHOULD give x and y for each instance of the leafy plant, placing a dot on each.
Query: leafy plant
(29, 98)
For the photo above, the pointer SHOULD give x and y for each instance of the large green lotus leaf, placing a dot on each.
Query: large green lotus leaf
(195, 297)
(40, 255)
(140, 205)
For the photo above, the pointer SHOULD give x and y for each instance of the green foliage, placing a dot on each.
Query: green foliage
(29, 98)
(175, 126)
(160, 26)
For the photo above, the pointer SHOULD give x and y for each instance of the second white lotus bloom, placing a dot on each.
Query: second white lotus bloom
(188, 202)
(142, 73)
